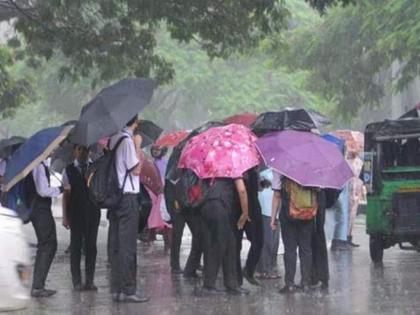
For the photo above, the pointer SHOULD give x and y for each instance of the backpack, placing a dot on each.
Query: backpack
(303, 202)
(187, 191)
(102, 180)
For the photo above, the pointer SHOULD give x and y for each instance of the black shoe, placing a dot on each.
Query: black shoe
(176, 271)
(339, 245)
(250, 278)
(288, 289)
(90, 287)
(42, 293)
(78, 287)
(190, 275)
(207, 291)
(237, 291)
(350, 242)
(324, 286)
(123, 298)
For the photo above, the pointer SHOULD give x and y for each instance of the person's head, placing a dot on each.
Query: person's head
(158, 152)
(132, 123)
(81, 153)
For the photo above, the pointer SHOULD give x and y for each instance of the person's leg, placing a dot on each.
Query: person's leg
(265, 261)
(45, 230)
(290, 241)
(254, 232)
(76, 236)
(114, 252)
(127, 243)
(178, 224)
(193, 262)
(211, 245)
(304, 235)
(320, 270)
(91, 237)
(275, 250)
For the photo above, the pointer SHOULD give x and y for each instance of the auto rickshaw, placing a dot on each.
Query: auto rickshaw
(392, 177)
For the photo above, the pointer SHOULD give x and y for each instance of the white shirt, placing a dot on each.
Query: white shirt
(2, 167)
(42, 185)
(126, 160)
(276, 183)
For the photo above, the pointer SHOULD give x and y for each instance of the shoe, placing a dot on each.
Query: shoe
(324, 286)
(176, 271)
(207, 291)
(288, 289)
(190, 275)
(42, 293)
(350, 242)
(237, 291)
(250, 278)
(339, 245)
(78, 287)
(90, 287)
(123, 298)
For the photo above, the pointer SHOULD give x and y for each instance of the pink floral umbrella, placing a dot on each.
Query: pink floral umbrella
(226, 151)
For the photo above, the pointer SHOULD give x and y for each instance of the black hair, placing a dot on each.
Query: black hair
(132, 121)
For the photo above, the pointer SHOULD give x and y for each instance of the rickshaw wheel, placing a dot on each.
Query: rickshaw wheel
(376, 248)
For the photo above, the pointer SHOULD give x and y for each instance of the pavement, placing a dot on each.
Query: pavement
(356, 286)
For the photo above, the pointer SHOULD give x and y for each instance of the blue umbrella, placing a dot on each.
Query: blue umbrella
(340, 143)
(36, 149)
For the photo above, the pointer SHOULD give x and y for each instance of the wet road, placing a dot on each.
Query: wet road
(356, 287)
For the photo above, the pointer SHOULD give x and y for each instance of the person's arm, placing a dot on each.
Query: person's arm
(42, 186)
(275, 207)
(243, 198)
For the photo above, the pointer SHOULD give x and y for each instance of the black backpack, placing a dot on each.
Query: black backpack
(102, 180)
(186, 192)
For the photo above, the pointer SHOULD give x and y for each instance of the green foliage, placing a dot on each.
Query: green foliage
(13, 89)
(118, 37)
(347, 51)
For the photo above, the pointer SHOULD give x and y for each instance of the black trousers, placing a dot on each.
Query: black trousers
(220, 241)
(255, 234)
(179, 220)
(45, 230)
(123, 245)
(320, 270)
(84, 231)
(297, 234)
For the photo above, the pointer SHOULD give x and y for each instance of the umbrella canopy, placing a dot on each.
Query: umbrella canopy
(340, 143)
(111, 109)
(355, 140)
(9, 146)
(172, 139)
(288, 119)
(150, 176)
(36, 149)
(149, 131)
(226, 151)
(246, 119)
(306, 158)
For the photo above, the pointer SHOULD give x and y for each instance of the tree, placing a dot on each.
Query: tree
(13, 89)
(348, 50)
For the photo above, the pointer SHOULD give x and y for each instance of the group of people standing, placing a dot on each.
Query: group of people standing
(258, 204)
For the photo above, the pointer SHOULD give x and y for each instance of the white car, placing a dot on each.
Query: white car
(14, 263)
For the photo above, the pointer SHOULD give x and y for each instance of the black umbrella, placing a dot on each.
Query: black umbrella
(290, 118)
(111, 109)
(9, 146)
(149, 131)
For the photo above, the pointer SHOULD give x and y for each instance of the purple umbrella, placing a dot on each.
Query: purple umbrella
(305, 158)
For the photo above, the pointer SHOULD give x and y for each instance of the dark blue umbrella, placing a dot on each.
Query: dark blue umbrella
(340, 143)
(36, 149)
(111, 109)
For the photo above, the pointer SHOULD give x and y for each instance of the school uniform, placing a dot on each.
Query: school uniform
(84, 219)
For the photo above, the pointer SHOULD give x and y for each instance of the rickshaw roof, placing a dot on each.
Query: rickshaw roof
(392, 128)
